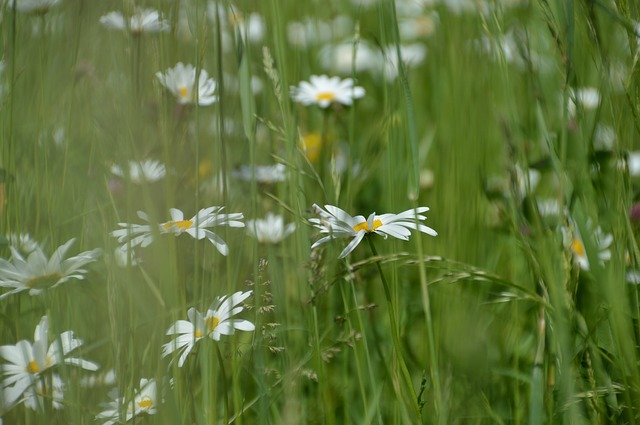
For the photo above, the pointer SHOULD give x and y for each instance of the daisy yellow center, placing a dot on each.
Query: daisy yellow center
(311, 144)
(43, 281)
(325, 95)
(365, 226)
(197, 333)
(33, 367)
(145, 403)
(212, 323)
(183, 91)
(578, 248)
(180, 224)
(205, 168)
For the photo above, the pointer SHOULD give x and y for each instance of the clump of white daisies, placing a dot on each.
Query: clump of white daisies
(27, 363)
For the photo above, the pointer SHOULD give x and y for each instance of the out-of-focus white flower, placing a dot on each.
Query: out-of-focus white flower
(23, 243)
(311, 31)
(340, 57)
(215, 323)
(142, 21)
(149, 171)
(322, 90)
(575, 243)
(36, 272)
(270, 229)
(527, 181)
(132, 235)
(549, 207)
(266, 174)
(144, 402)
(181, 81)
(125, 257)
(36, 7)
(336, 223)
(99, 380)
(251, 27)
(420, 25)
(604, 138)
(588, 98)
(410, 54)
(633, 163)
(633, 277)
(27, 361)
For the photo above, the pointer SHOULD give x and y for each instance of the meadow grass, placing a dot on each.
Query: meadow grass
(514, 313)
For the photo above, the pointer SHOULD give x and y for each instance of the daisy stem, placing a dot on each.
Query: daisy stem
(411, 394)
(325, 148)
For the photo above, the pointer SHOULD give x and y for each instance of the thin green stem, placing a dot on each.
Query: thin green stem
(411, 397)
(225, 385)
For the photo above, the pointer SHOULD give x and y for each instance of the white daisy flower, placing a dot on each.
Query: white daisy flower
(36, 7)
(145, 20)
(27, 361)
(215, 323)
(37, 272)
(181, 81)
(323, 91)
(270, 229)
(267, 174)
(573, 240)
(132, 235)
(149, 171)
(336, 223)
(144, 401)
(189, 333)
(218, 317)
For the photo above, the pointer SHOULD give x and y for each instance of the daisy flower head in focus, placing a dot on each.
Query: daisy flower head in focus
(35, 7)
(149, 171)
(181, 81)
(35, 272)
(144, 402)
(336, 223)
(142, 21)
(132, 235)
(26, 362)
(270, 229)
(322, 90)
(216, 322)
